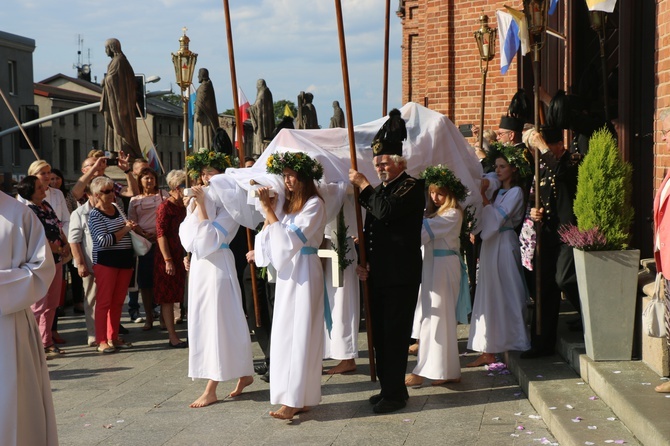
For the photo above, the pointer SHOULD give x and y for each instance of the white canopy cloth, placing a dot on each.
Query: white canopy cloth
(431, 139)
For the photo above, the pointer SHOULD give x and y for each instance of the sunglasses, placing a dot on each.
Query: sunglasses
(107, 192)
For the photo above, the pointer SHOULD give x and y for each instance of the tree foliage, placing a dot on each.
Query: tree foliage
(172, 98)
(604, 191)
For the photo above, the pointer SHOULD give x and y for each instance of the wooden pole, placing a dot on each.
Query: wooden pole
(239, 128)
(18, 123)
(144, 121)
(354, 165)
(385, 90)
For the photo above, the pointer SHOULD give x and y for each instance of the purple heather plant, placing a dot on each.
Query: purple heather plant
(590, 240)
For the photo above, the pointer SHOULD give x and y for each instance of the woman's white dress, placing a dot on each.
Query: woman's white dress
(440, 285)
(218, 336)
(290, 245)
(498, 322)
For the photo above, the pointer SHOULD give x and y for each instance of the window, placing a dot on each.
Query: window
(95, 145)
(169, 130)
(76, 156)
(61, 120)
(94, 119)
(160, 129)
(75, 119)
(2, 152)
(12, 77)
(16, 150)
(62, 151)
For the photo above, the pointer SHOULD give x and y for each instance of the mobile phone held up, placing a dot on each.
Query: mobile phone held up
(466, 130)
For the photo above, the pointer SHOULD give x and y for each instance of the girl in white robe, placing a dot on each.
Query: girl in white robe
(218, 336)
(437, 336)
(289, 241)
(498, 322)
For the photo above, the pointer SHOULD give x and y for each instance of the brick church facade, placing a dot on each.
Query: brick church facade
(441, 70)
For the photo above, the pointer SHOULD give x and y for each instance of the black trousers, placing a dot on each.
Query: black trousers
(392, 313)
(557, 275)
(266, 301)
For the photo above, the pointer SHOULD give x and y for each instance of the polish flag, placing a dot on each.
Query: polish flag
(243, 104)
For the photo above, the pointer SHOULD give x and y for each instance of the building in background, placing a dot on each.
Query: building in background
(16, 81)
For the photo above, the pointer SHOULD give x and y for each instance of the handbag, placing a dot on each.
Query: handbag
(653, 315)
(141, 246)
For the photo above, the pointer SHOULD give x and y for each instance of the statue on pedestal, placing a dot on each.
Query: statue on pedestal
(205, 116)
(118, 103)
(306, 112)
(262, 114)
(337, 120)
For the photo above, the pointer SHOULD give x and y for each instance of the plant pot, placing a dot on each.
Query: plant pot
(607, 283)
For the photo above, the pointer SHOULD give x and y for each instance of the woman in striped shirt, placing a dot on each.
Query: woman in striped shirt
(112, 264)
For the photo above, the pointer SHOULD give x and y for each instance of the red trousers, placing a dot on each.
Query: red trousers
(111, 286)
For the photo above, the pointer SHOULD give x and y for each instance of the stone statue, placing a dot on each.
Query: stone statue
(262, 114)
(338, 116)
(306, 112)
(118, 103)
(205, 117)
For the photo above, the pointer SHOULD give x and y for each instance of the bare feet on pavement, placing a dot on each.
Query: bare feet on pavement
(205, 400)
(241, 384)
(484, 359)
(413, 380)
(346, 365)
(287, 413)
(663, 388)
(413, 349)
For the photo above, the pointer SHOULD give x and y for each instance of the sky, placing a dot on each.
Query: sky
(292, 44)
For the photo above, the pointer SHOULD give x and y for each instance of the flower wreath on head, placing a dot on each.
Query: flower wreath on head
(515, 156)
(302, 163)
(441, 176)
(206, 158)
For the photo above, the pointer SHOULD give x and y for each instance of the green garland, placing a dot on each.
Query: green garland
(441, 176)
(206, 158)
(298, 161)
(515, 156)
(341, 247)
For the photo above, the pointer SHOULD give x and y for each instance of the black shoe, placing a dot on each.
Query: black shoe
(265, 377)
(374, 399)
(60, 312)
(388, 406)
(123, 330)
(535, 353)
(261, 369)
(78, 309)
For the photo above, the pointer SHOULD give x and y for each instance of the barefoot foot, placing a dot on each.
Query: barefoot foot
(663, 388)
(484, 359)
(205, 400)
(413, 349)
(241, 384)
(413, 380)
(287, 413)
(346, 365)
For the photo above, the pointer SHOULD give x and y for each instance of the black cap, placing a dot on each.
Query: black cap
(389, 138)
(511, 123)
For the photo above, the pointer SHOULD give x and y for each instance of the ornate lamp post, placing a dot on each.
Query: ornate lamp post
(598, 21)
(184, 65)
(486, 44)
(536, 15)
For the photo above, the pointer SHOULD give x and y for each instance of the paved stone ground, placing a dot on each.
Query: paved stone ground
(141, 396)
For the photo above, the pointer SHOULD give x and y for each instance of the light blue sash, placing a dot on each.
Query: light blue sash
(308, 250)
(463, 305)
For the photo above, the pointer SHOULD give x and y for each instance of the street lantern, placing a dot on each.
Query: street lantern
(486, 44)
(184, 62)
(184, 65)
(536, 12)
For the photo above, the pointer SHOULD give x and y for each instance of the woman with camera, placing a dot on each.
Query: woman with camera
(113, 262)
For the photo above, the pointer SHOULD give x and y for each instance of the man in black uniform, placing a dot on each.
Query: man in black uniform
(558, 187)
(393, 248)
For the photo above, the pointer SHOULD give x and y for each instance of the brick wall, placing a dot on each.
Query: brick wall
(437, 32)
(661, 151)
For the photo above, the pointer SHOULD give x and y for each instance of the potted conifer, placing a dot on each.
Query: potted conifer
(606, 268)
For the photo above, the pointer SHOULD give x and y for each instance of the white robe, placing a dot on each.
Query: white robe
(297, 326)
(218, 336)
(497, 323)
(440, 285)
(26, 271)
